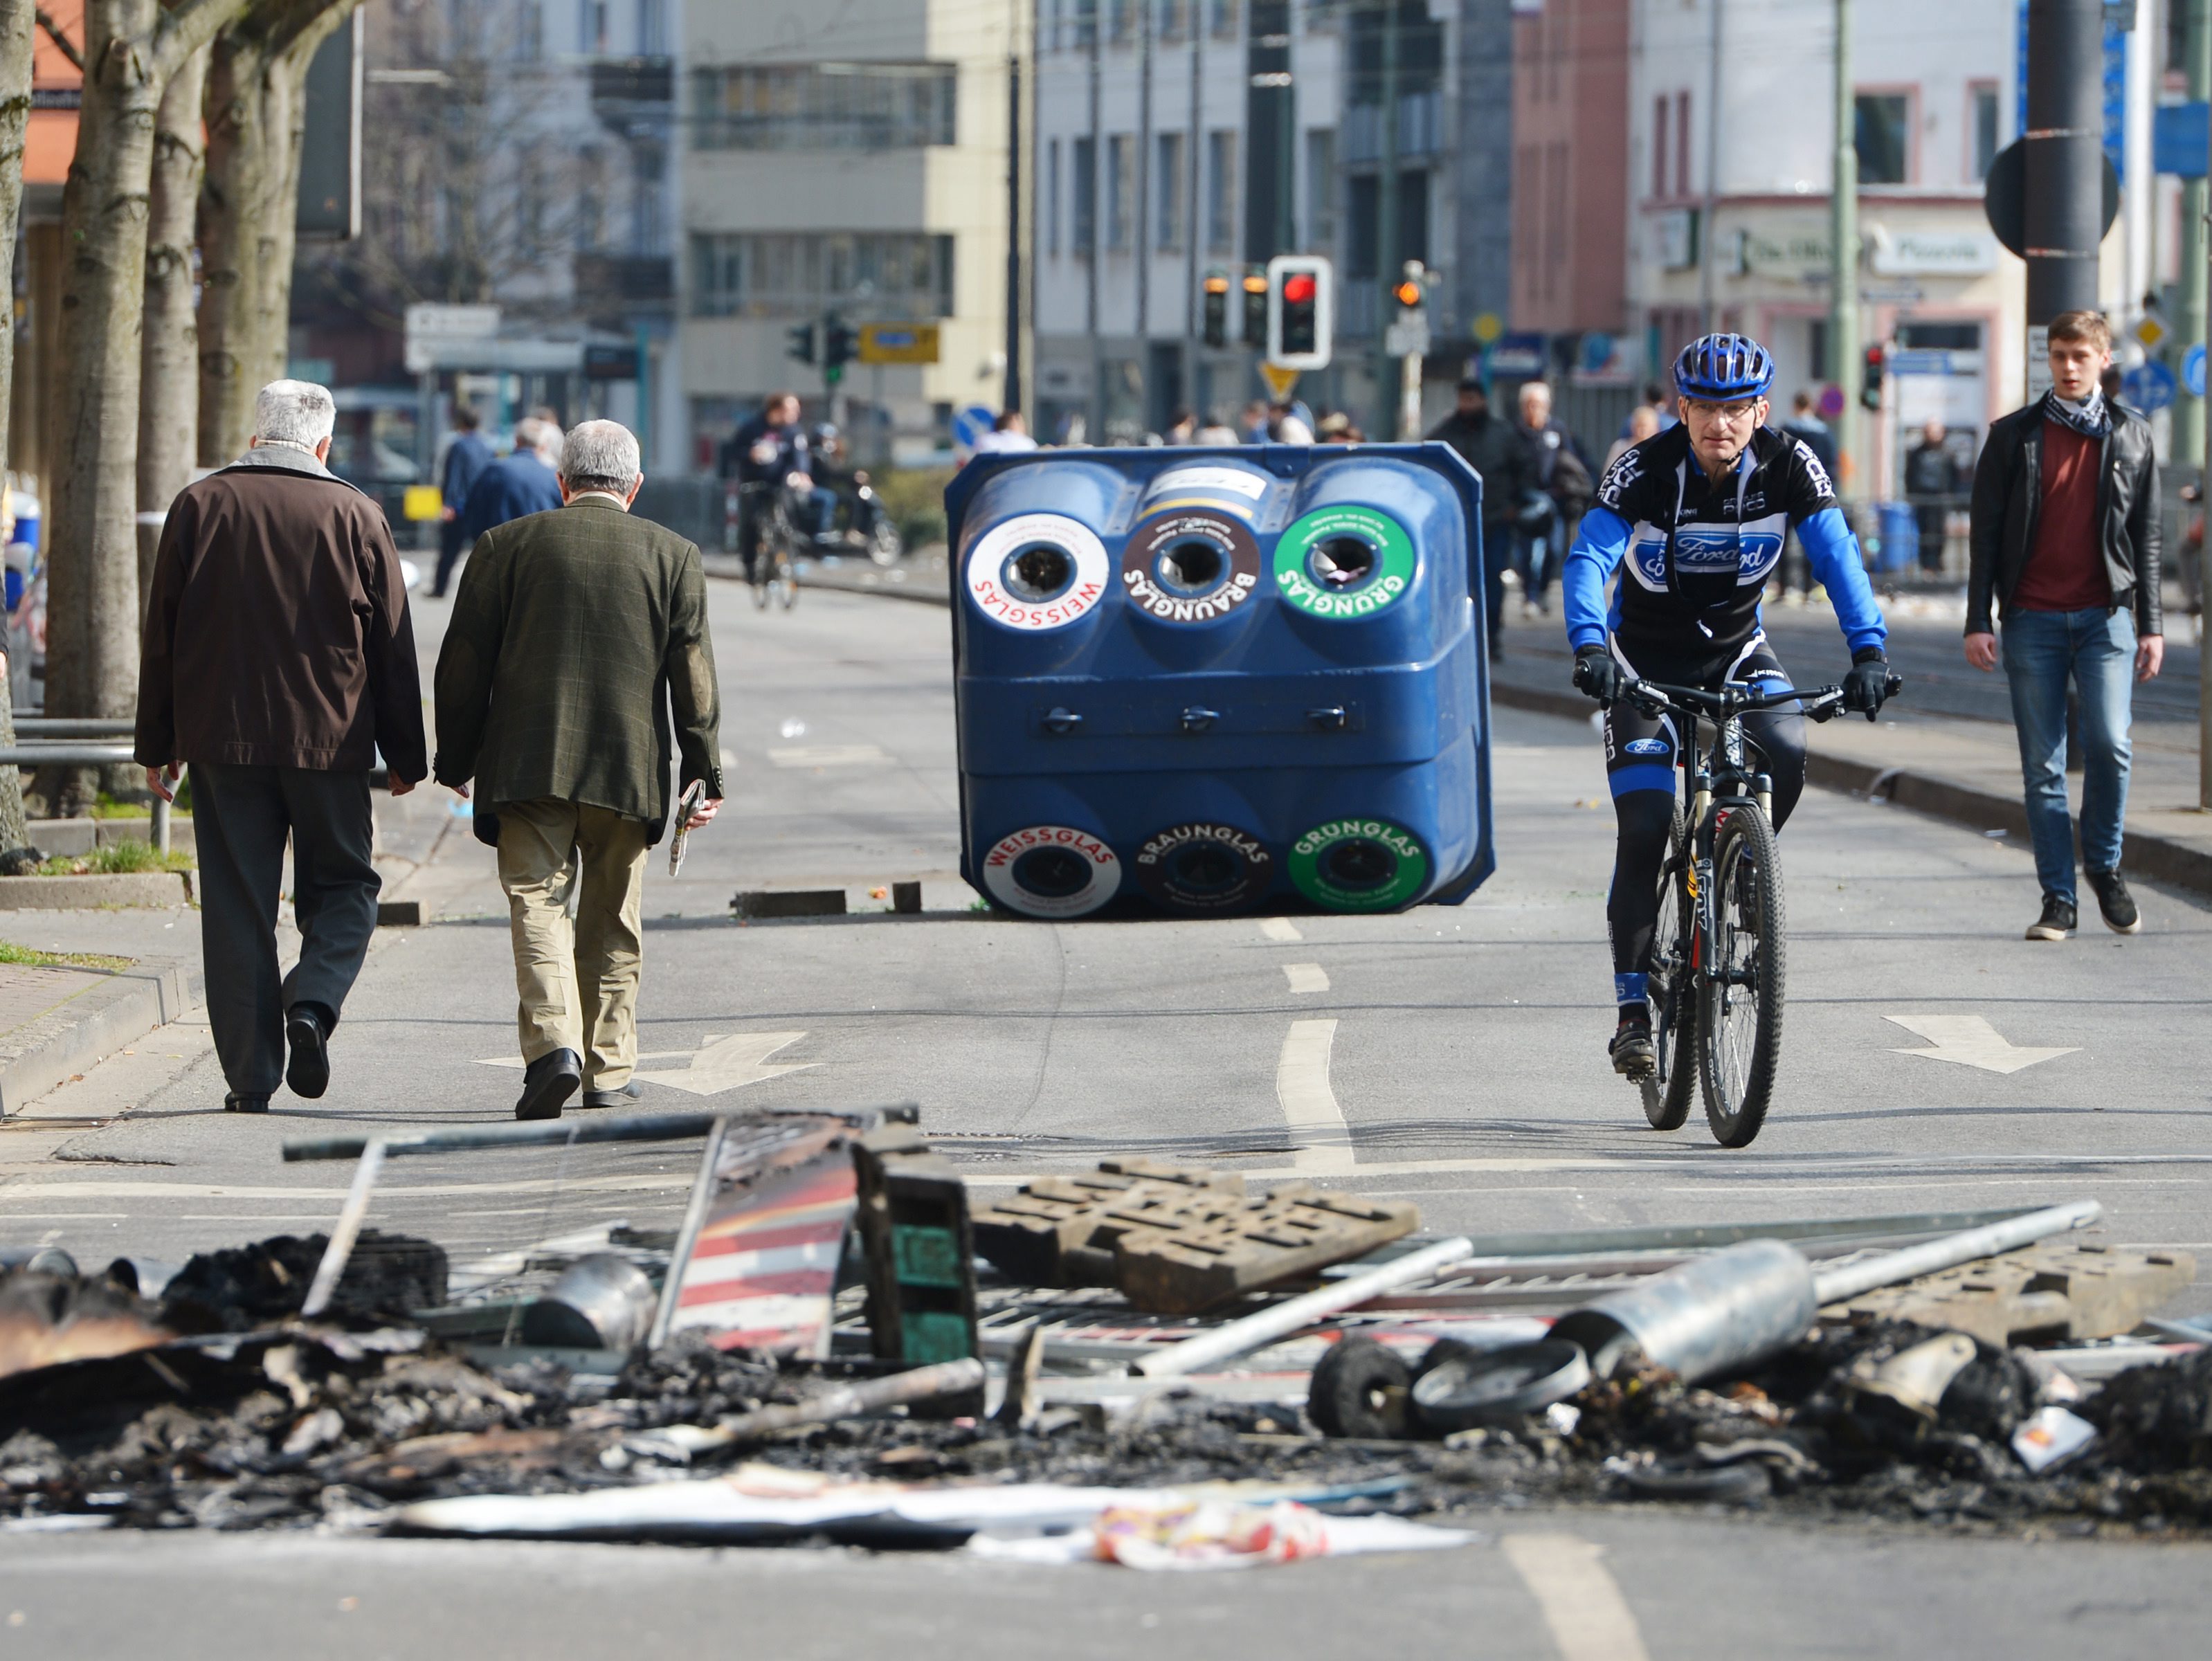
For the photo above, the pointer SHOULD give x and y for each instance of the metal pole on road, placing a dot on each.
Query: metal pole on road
(2189, 321)
(2063, 219)
(1843, 259)
(1390, 399)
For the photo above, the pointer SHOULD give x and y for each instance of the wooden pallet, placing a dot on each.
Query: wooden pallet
(2055, 1290)
(1060, 1230)
(1208, 1260)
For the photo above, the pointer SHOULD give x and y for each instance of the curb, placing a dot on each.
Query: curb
(128, 1005)
(2158, 859)
(872, 583)
(131, 888)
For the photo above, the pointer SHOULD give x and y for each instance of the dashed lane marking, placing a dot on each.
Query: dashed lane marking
(1309, 1105)
(723, 1063)
(830, 755)
(1589, 1618)
(1307, 976)
(1280, 928)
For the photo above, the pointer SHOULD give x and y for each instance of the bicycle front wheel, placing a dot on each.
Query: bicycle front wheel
(1673, 990)
(1741, 1014)
(787, 582)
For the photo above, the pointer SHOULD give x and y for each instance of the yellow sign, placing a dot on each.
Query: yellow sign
(898, 343)
(1488, 327)
(1279, 380)
(423, 501)
(2149, 329)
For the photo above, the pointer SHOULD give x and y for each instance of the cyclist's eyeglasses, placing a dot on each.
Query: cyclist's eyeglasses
(1731, 414)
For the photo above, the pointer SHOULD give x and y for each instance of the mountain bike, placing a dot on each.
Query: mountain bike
(1718, 956)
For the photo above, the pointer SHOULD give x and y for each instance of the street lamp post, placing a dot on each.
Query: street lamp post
(1844, 258)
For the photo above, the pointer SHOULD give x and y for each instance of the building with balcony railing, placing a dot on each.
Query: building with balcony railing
(849, 159)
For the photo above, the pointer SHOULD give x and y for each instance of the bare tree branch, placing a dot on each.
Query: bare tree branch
(62, 43)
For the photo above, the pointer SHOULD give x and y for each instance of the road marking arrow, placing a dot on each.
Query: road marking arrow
(1971, 1042)
(723, 1063)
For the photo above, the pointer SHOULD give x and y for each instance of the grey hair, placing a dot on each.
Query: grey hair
(534, 433)
(600, 455)
(294, 412)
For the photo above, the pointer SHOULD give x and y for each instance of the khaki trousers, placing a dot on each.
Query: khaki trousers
(578, 983)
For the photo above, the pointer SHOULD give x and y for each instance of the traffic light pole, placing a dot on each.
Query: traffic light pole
(2063, 217)
(2188, 409)
(1844, 261)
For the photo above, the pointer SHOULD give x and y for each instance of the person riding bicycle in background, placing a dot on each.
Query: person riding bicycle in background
(769, 449)
(1698, 512)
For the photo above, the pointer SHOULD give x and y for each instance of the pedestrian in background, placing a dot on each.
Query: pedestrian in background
(524, 481)
(1794, 572)
(570, 750)
(1642, 422)
(1560, 490)
(1494, 449)
(1009, 435)
(1935, 479)
(2066, 541)
(277, 659)
(465, 458)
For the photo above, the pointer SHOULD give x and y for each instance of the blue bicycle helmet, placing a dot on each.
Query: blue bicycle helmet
(1723, 368)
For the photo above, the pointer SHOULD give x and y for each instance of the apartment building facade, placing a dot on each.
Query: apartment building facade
(849, 159)
(1180, 139)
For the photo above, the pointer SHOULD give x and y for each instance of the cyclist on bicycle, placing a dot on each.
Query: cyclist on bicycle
(1698, 512)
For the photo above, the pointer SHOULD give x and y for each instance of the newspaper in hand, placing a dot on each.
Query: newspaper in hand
(692, 797)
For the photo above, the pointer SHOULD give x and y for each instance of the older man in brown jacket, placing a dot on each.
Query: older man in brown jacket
(278, 659)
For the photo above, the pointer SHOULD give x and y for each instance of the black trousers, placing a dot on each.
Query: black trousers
(241, 816)
(449, 554)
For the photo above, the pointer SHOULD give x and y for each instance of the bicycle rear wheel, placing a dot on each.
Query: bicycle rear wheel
(1673, 992)
(787, 582)
(1741, 1017)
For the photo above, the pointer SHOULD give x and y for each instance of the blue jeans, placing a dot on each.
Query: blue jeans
(2097, 650)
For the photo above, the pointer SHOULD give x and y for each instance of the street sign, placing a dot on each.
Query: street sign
(427, 321)
(2004, 197)
(970, 424)
(2148, 386)
(2149, 329)
(1519, 356)
(1280, 378)
(1488, 327)
(898, 343)
(2192, 371)
(1408, 337)
(1831, 402)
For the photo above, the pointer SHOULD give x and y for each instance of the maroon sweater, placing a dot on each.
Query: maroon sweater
(2065, 569)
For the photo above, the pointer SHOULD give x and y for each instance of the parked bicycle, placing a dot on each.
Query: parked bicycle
(1718, 959)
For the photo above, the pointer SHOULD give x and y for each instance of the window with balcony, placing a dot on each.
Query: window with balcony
(1174, 20)
(1682, 143)
(1086, 23)
(592, 27)
(1320, 189)
(1882, 125)
(1223, 18)
(1168, 215)
(651, 27)
(1052, 195)
(1083, 192)
(825, 106)
(771, 273)
(1659, 144)
(1121, 22)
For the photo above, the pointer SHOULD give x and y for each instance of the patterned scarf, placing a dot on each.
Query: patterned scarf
(2090, 418)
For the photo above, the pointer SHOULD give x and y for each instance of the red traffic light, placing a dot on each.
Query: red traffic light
(1299, 288)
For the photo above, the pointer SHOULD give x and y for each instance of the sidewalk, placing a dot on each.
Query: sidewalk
(58, 1017)
(1954, 767)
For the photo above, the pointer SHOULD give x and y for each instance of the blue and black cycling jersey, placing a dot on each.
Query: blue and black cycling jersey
(1697, 554)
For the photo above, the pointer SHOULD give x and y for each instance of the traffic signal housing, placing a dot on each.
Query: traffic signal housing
(840, 343)
(801, 340)
(1411, 293)
(1301, 311)
(1874, 363)
(1214, 312)
(1255, 309)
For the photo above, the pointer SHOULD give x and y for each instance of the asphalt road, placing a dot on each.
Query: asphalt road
(1464, 1052)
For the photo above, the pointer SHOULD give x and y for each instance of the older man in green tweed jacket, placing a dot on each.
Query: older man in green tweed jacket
(575, 636)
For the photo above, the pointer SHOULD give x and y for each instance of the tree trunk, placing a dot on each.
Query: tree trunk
(17, 24)
(257, 112)
(131, 48)
(169, 399)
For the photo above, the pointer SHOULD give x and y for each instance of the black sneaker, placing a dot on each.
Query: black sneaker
(1633, 1057)
(2057, 921)
(235, 1102)
(2116, 902)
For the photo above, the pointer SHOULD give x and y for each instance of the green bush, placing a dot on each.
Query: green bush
(915, 498)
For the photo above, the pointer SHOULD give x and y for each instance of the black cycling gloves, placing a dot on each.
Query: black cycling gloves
(1598, 673)
(1868, 683)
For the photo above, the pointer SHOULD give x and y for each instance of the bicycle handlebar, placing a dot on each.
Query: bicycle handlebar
(1823, 704)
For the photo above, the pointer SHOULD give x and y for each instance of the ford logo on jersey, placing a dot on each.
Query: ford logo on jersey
(1646, 746)
(1649, 556)
(1710, 550)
